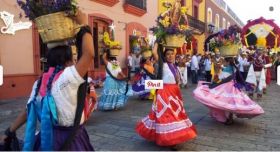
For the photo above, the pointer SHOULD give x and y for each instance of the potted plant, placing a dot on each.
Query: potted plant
(51, 18)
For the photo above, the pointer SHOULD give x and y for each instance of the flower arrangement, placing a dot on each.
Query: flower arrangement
(37, 8)
(172, 22)
(146, 47)
(109, 43)
(226, 37)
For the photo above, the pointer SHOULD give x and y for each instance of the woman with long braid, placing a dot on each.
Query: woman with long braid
(167, 124)
(225, 98)
(54, 99)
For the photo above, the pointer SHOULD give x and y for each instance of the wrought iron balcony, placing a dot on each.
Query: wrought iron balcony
(135, 7)
(196, 25)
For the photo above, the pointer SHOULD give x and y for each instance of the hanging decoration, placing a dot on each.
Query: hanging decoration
(261, 33)
(11, 27)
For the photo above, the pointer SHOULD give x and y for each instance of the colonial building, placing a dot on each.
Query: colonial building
(219, 16)
(22, 55)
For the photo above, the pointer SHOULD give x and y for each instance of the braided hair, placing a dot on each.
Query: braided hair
(160, 61)
(57, 57)
(37, 89)
(57, 69)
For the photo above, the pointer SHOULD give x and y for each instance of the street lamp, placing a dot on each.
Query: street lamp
(211, 28)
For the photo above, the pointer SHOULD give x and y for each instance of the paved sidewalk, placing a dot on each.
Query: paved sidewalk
(114, 130)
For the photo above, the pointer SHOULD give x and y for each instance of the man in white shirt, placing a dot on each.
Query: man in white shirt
(243, 65)
(136, 62)
(129, 63)
(207, 64)
(194, 67)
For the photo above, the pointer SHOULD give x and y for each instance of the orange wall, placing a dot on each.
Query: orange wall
(17, 86)
(16, 51)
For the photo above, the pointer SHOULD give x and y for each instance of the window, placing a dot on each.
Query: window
(224, 23)
(209, 15)
(217, 21)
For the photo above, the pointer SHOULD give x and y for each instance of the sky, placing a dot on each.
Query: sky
(253, 9)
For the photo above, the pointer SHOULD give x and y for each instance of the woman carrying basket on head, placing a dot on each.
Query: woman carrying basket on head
(54, 99)
(167, 124)
(116, 88)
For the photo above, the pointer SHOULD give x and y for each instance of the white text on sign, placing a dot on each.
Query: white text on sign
(153, 84)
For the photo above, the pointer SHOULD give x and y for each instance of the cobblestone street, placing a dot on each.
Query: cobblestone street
(114, 131)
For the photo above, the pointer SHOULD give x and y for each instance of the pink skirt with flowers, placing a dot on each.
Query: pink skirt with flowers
(225, 99)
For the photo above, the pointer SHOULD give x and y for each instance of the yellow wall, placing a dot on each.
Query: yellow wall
(200, 38)
(189, 6)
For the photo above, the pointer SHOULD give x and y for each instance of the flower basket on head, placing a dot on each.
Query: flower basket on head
(114, 52)
(115, 46)
(146, 48)
(229, 50)
(227, 41)
(174, 41)
(51, 18)
(146, 54)
(172, 26)
(56, 27)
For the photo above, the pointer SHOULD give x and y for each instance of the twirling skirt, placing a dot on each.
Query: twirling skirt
(225, 99)
(167, 124)
(113, 95)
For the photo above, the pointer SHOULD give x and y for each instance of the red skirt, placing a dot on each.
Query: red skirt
(167, 124)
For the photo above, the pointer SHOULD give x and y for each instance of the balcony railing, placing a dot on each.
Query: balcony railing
(142, 4)
(196, 24)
